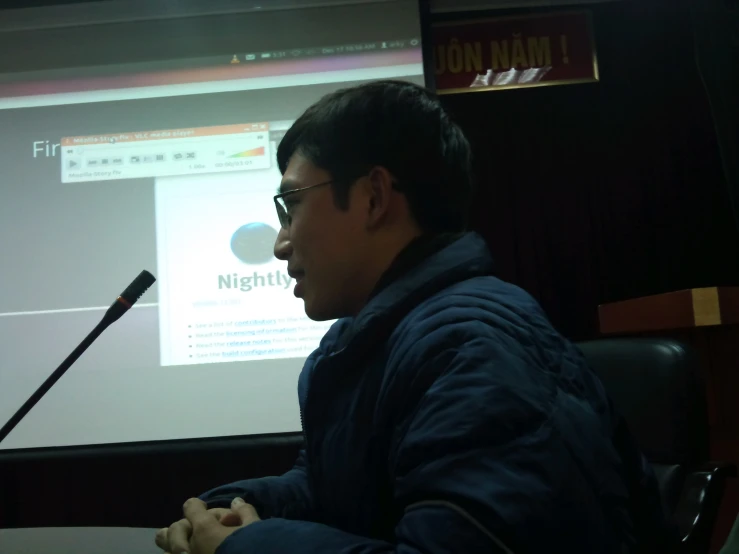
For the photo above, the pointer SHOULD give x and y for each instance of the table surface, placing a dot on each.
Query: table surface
(78, 540)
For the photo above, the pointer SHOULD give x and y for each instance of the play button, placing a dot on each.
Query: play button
(73, 164)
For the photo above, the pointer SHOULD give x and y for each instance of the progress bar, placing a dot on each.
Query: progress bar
(71, 310)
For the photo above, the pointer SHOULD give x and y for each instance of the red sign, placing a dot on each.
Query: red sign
(514, 52)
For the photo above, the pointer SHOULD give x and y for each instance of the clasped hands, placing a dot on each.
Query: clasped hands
(202, 531)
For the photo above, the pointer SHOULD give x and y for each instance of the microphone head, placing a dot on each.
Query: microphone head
(138, 287)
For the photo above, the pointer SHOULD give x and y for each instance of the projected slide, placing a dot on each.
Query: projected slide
(223, 295)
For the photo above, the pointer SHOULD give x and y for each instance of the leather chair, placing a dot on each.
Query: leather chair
(655, 384)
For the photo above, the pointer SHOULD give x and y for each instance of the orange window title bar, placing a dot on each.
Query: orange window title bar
(166, 134)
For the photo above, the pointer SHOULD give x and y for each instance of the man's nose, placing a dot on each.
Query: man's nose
(283, 248)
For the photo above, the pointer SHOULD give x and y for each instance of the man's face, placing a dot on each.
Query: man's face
(323, 244)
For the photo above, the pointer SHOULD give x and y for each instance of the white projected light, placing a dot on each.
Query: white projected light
(165, 162)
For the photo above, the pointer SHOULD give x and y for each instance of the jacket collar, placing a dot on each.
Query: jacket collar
(419, 272)
(415, 253)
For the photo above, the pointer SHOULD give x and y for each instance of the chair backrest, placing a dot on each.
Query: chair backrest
(654, 383)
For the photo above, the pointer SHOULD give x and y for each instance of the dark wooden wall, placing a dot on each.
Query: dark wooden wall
(595, 193)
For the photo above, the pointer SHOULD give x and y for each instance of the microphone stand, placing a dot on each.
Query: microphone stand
(53, 378)
(122, 304)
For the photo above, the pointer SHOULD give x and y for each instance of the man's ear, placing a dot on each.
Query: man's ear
(379, 190)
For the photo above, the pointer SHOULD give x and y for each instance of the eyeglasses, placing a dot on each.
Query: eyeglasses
(283, 207)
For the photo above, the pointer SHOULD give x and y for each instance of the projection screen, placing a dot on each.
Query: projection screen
(136, 137)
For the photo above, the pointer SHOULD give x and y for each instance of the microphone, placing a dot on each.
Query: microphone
(128, 297)
(122, 304)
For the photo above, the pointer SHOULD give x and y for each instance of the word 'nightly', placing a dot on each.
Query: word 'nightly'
(245, 284)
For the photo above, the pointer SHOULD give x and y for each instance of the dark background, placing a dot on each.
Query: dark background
(601, 192)
(588, 194)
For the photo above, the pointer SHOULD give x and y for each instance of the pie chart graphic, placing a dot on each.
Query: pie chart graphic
(254, 243)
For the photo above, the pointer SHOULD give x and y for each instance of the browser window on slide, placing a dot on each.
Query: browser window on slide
(216, 227)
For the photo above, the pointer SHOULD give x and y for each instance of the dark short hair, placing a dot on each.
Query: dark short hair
(396, 125)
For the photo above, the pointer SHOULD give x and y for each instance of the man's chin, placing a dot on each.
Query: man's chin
(318, 317)
(319, 313)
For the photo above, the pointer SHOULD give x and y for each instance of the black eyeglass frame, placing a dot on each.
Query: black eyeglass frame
(282, 214)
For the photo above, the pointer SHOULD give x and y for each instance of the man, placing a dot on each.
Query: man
(442, 412)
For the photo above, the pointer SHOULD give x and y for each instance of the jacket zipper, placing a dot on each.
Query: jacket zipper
(305, 405)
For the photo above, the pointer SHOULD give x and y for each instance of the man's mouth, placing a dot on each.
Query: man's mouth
(297, 275)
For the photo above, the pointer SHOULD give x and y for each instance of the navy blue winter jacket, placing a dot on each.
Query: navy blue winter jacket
(449, 416)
